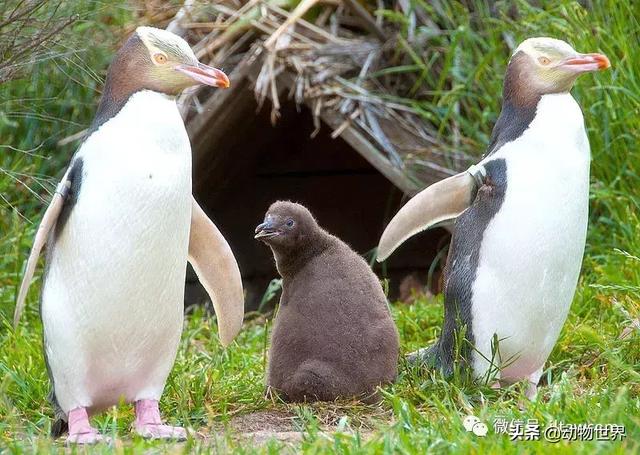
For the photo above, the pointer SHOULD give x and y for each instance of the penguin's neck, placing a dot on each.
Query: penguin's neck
(111, 104)
(149, 122)
(556, 110)
(521, 104)
(559, 121)
(290, 260)
(556, 132)
(127, 75)
(519, 107)
(113, 101)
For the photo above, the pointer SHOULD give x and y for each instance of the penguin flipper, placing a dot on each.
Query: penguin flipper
(216, 267)
(444, 200)
(49, 220)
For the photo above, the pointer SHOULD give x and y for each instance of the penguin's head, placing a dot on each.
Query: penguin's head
(287, 226)
(159, 60)
(547, 65)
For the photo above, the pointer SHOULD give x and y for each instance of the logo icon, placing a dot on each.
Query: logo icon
(473, 424)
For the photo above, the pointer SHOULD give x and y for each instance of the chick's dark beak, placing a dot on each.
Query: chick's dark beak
(266, 229)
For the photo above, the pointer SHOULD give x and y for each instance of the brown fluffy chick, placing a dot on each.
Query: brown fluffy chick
(333, 335)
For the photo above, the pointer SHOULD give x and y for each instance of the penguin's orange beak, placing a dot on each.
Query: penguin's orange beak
(204, 74)
(583, 63)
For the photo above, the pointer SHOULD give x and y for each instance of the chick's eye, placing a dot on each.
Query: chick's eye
(290, 223)
(544, 60)
(160, 59)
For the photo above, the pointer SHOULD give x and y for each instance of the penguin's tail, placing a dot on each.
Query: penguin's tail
(316, 380)
(60, 425)
(426, 357)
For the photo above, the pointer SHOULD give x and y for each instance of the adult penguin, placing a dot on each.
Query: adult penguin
(520, 222)
(120, 229)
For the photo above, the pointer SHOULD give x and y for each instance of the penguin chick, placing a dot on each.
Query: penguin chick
(333, 335)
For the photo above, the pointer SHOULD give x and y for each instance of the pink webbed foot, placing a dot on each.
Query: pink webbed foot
(532, 391)
(149, 424)
(80, 430)
(90, 437)
(159, 431)
(532, 387)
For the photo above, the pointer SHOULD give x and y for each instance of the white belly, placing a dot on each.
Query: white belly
(113, 296)
(532, 249)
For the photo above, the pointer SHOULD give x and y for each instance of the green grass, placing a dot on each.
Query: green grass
(591, 374)
(591, 377)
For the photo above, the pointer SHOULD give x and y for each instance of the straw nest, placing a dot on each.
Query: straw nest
(343, 60)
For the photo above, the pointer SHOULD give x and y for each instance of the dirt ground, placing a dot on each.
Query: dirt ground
(261, 426)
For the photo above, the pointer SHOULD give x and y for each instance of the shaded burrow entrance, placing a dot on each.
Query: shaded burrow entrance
(252, 164)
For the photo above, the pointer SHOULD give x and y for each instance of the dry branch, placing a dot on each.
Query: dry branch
(29, 31)
(327, 55)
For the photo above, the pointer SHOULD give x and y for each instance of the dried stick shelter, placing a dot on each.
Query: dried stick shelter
(313, 116)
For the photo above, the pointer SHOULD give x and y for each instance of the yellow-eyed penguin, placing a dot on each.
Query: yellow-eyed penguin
(119, 231)
(520, 221)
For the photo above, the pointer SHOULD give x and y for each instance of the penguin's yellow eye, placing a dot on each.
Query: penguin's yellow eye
(544, 60)
(160, 59)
